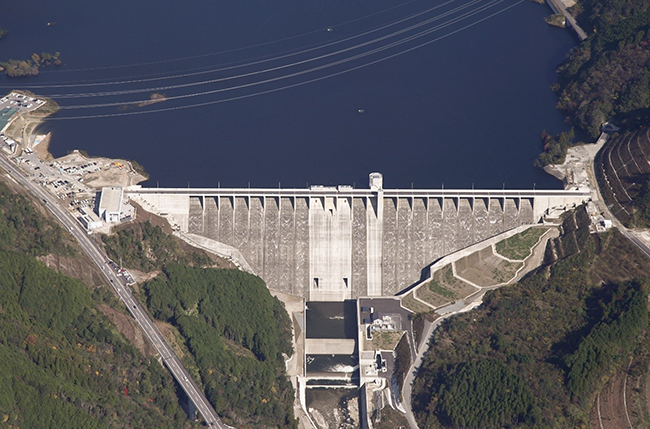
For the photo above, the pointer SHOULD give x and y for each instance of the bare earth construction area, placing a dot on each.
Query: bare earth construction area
(497, 262)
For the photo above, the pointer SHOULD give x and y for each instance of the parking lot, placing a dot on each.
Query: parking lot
(12, 106)
(65, 182)
(22, 103)
(67, 179)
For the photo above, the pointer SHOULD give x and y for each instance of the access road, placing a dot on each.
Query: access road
(168, 356)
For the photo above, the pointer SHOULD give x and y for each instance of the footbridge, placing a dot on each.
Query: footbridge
(331, 243)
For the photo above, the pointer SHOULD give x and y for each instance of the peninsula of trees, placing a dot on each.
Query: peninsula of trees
(31, 67)
(608, 76)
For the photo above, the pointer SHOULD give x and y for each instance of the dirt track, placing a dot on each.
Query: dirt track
(612, 408)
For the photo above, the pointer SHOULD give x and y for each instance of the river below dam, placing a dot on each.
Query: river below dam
(287, 93)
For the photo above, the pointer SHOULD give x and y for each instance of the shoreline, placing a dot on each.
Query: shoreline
(23, 127)
(575, 171)
(572, 173)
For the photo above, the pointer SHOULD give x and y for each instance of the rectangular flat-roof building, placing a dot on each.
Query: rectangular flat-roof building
(110, 204)
(89, 219)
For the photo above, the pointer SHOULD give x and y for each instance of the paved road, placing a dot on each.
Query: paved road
(559, 5)
(315, 192)
(637, 242)
(407, 388)
(412, 372)
(124, 292)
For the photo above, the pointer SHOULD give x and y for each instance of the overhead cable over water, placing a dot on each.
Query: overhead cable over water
(285, 70)
(293, 64)
(259, 60)
(257, 45)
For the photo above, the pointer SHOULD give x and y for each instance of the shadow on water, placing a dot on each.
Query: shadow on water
(332, 319)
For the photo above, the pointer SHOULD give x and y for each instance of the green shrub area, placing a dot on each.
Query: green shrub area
(554, 148)
(389, 418)
(505, 271)
(518, 246)
(435, 287)
(607, 77)
(624, 317)
(146, 247)
(64, 364)
(24, 230)
(408, 301)
(544, 347)
(236, 332)
(402, 362)
(485, 394)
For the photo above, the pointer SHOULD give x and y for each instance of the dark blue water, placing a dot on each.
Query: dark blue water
(331, 319)
(465, 110)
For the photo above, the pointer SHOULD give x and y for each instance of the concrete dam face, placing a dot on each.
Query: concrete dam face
(336, 243)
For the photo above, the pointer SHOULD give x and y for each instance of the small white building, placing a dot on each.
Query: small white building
(89, 219)
(376, 181)
(110, 204)
(89, 223)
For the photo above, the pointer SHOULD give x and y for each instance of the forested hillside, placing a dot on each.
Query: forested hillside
(536, 354)
(63, 365)
(145, 246)
(237, 334)
(607, 77)
(24, 230)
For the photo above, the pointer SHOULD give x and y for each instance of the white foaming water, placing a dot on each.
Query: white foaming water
(342, 368)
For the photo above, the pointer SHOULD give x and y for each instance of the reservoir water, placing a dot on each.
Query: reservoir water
(449, 93)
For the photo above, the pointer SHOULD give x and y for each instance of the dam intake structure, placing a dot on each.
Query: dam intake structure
(332, 243)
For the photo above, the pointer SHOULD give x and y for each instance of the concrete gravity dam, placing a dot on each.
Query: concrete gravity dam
(327, 243)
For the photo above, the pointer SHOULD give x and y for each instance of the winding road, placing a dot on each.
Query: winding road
(407, 388)
(430, 328)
